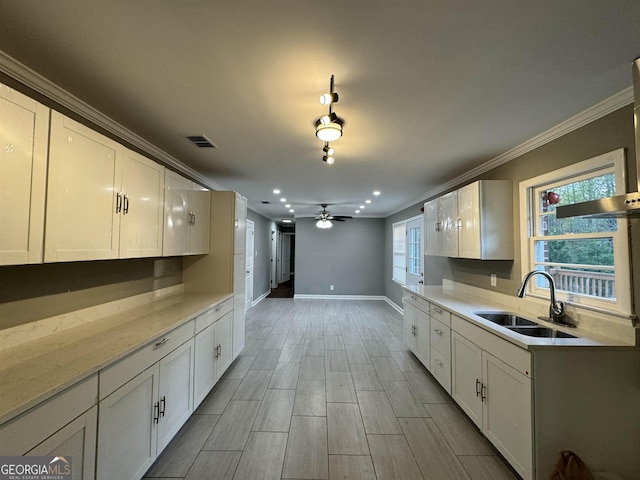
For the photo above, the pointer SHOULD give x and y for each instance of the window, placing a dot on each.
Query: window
(407, 251)
(587, 257)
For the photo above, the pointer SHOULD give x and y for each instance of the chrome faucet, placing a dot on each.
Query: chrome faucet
(556, 309)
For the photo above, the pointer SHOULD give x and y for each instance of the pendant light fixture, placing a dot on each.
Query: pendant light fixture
(329, 127)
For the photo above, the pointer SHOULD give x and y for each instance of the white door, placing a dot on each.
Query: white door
(204, 376)
(176, 214)
(466, 376)
(224, 344)
(469, 211)
(274, 263)
(448, 206)
(431, 228)
(286, 257)
(249, 266)
(415, 273)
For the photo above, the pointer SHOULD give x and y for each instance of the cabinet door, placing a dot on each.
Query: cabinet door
(127, 429)
(448, 215)
(24, 133)
(82, 195)
(423, 335)
(240, 238)
(239, 295)
(200, 221)
(409, 325)
(507, 417)
(76, 440)
(142, 209)
(176, 214)
(431, 228)
(225, 343)
(175, 392)
(466, 376)
(469, 212)
(204, 377)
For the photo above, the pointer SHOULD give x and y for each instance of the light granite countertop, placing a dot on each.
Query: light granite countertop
(466, 308)
(38, 369)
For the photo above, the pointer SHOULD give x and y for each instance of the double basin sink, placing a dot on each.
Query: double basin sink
(522, 325)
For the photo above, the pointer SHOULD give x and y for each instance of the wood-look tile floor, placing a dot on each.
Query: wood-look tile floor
(326, 389)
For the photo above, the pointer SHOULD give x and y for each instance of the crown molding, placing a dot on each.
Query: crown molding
(36, 82)
(591, 114)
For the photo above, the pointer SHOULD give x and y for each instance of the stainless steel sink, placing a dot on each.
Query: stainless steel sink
(506, 319)
(542, 332)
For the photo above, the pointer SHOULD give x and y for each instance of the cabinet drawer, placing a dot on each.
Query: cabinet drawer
(24, 432)
(416, 301)
(113, 377)
(441, 369)
(440, 314)
(441, 338)
(213, 314)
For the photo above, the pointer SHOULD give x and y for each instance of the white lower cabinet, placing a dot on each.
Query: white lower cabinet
(496, 397)
(417, 327)
(213, 355)
(64, 425)
(139, 418)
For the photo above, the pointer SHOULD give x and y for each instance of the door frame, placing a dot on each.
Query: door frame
(250, 264)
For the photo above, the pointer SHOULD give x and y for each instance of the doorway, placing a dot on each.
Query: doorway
(250, 253)
(284, 265)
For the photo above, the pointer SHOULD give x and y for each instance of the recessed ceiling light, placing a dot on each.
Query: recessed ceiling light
(283, 199)
(367, 201)
(357, 211)
(361, 207)
(376, 193)
(276, 191)
(291, 210)
(288, 205)
(287, 220)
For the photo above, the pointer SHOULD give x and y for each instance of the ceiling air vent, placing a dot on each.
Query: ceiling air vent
(201, 141)
(265, 202)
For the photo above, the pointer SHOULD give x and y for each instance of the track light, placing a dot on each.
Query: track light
(328, 132)
(328, 150)
(329, 159)
(329, 127)
(328, 98)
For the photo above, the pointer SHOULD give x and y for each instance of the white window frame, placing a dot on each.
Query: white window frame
(405, 255)
(614, 161)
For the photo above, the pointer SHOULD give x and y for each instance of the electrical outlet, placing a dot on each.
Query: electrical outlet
(330, 287)
(494, 280)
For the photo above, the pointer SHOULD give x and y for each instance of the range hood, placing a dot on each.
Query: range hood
(627, 204)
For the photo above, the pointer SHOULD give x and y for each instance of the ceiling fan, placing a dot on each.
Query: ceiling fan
(324, 217)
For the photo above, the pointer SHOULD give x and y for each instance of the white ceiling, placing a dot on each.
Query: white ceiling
(428, 89)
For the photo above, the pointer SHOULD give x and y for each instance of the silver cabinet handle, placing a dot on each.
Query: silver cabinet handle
(161, 343)
(125, 208)
(477, 387)
(483, 394)
(218, 350)
(118, 202)
(218, 308)
(437, 310)
(438, 331)
(414, 297)
(156, 412)
(438, 362)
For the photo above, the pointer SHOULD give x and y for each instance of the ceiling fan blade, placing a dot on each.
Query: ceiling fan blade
(338, 219)
(342, 217)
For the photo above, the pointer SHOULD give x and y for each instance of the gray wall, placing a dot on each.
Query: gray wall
(348, 256)
(609, 133)
(262, 253)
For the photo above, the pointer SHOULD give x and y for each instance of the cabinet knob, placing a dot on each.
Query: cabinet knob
(437, 310)
(438, 331)
(438, 362)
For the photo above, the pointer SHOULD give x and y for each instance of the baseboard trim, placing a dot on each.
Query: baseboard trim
(394, 305)
(303, 296)
(260, 298)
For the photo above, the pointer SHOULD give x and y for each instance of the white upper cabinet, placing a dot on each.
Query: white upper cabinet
(84, 174)
(103, 200)
(240, 237)
(441, 226)
(187, 216)
(24, 128)
(142, 200)
(475, 221)
(485, 210)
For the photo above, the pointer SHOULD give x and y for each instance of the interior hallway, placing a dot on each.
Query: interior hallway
(325, 389)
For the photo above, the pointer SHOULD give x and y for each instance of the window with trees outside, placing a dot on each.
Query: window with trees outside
(408, 251)
(587, 257)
